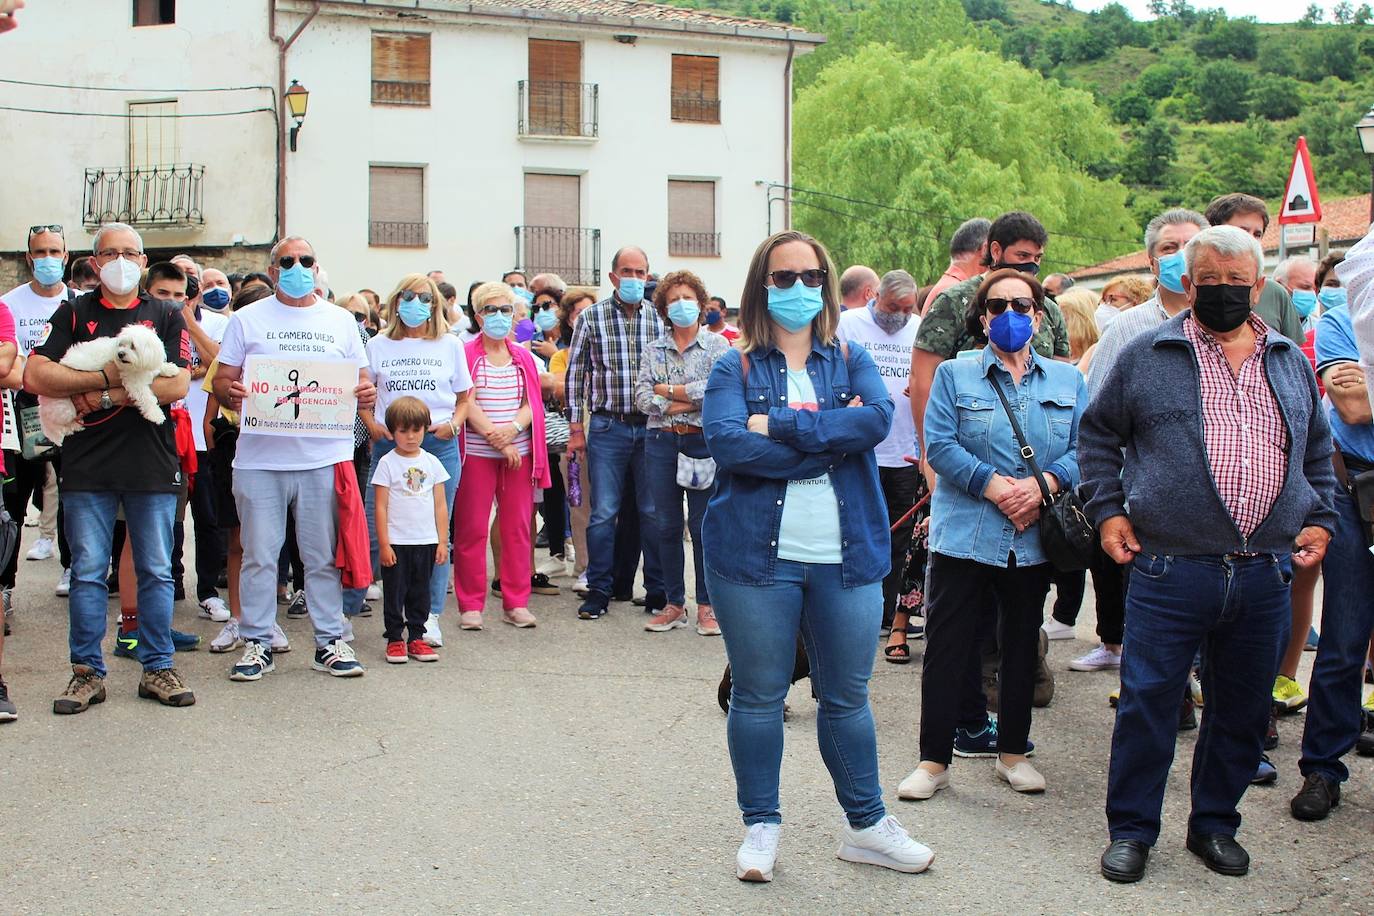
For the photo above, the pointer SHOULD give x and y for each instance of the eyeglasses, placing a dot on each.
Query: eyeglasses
(1022, 305)
(287, 262)
(498, 310)
(51, 227)
(783, 279)
(542, 306)
(409, 295)
(107, 254)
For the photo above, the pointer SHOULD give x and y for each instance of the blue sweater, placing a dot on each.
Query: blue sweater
(1141, 444)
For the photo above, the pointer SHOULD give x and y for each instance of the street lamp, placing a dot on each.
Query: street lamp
(298, 100)
(1365, 128)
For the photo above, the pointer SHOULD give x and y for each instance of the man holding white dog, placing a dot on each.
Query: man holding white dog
(120, 459)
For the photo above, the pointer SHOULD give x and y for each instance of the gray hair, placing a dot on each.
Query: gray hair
(115, 227)
(970, 237)
(897, 284)
(1176, 217)
(1227, 241)
(551, 282)
(272, 257)
(1065, 282)
(1286, 265)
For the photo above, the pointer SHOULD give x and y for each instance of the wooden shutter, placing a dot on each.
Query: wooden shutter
(153, 134)
(400, 68)
(553, 200)
(555, 87)
(551, 239)
(696, 88)
(692, 218)
(396, 205)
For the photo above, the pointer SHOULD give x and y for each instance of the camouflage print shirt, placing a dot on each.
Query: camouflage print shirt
(943, 333)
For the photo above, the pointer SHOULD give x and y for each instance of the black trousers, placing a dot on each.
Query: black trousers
(405, 591)
(1068, 595)
(961, 593)
(24, 481)
(899, 491)
(210, 544)
(627, 546)
(1109, 583)
(554, 509)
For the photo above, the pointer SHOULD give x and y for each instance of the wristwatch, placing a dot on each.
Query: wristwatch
(105, 402)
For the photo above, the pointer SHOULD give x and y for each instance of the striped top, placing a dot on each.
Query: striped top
(499, 391)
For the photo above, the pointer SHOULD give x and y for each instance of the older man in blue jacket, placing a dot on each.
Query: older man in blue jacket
(1208, 460)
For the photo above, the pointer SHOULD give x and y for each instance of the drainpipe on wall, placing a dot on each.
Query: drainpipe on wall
(283, 46)
(787, 138)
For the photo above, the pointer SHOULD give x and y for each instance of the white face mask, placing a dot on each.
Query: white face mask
(120, 276)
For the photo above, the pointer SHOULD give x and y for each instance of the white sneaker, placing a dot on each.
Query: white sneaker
(64, 584)
(922, 784)
(569, 561)
(1099, 659)
(581, 586)
(758, 853)
(279, 641)
(434, 637)
(348, 630)
(374, 592)
(41, 550)
(551, 566)
(886, 843)
(1056, 630)
(228, 639)
(214, 609)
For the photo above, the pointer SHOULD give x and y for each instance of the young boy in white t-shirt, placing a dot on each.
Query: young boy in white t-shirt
(411, 511)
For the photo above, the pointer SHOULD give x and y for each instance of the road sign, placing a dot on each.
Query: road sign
(1300, 201)
(1299, 235)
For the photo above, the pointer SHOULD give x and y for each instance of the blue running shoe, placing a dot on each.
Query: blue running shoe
(1267, 774)
(184, 642)
(337, 658)
(256, 661)
(982, 743)
(126, 645)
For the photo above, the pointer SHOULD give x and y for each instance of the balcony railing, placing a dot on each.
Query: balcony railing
(574, 254)
(694, 244)
(556, 109)
(400, 92)
(397, 235)
(696, 108)
(145, 196)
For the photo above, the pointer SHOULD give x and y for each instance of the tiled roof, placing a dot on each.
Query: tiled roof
(1346, 221)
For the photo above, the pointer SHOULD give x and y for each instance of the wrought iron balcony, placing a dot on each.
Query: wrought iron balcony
(694, 244)
(400, 92)
(698, 108)
(398, 235)
(572, 253)
(557, 109)
(148, 196)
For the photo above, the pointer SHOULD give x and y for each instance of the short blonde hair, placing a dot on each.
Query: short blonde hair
(1136, 289)
(435, 327)
(755, 325)
(1078, 305)
(489, 291)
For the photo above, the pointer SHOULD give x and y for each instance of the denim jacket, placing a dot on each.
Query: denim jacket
(740, 530)
(969, 438)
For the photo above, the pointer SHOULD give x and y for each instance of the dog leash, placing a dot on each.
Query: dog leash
(910, 512)
(112, 415)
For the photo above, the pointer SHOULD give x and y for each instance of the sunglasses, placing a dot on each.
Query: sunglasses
(51, 227)
(287, 262)
(498, 310)
(783, 279)
(542, 306)
(1022, 305)
(410, 294)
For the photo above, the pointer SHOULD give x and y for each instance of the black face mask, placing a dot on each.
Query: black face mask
(1029, 267)
(1221, 307)
(192, 287)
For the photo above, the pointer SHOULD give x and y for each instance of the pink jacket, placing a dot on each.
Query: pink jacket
(539, 450)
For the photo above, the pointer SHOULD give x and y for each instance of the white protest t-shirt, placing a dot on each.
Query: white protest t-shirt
(410, 505)
(215, 325)
(435, 371)
(268, 327)
(892, 355)
(31, 313)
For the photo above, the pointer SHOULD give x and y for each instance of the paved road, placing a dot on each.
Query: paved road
(576, 768)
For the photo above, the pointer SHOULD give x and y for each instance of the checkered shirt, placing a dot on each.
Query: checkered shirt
(603, 359)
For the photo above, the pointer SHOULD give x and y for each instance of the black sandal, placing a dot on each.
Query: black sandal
(899, 654)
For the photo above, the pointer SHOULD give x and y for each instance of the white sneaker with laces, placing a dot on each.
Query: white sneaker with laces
(41, 550)
(580, 586)
(886, 843)
(434, 637)
(374, 592)
(279, 641)
(228, 639)
(1099, 659)
(758, 853)
(1056, 630)
(551, 566)
(64, 584)
(214, 609)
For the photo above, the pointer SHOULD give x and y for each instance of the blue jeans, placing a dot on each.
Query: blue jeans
(660, 456)
(1333, 713)
(446, 450)
(1239, 612)
(90, 518)
(615, 454)
(838, 625)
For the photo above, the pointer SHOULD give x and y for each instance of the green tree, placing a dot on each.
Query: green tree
(1132, 107)
(1333, 54)
(1113, 27)
(1160, 80)
(988, 10)
(1158, 8)
(1151, 154)
(1237, 38)
(1275, 97)
(1363, 15)
(1343, 13)
(1313, 15)
(1223, 87)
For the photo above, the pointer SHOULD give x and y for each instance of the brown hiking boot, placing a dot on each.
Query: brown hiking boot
(85, 687)
(167, 687)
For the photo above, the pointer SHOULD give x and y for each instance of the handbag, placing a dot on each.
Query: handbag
(9, 537)
(34, 445)
(1066, 534)
(695, 473)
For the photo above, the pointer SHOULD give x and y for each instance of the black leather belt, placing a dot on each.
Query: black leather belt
(633, 419)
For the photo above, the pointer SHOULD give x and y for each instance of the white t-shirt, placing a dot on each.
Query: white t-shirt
(435, 371)
(31, 313)
(214, 325)
(892, 355)
(268, 327)
(410, 505)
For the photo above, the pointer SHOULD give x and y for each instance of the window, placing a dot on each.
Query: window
(396, 206)
(555, 89)
(692, 219)
(552, 239)
(153, 134)
(696, 88)
(400, 68)
(155, 12)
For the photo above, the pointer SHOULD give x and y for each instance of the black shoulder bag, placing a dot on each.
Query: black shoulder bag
(1066, 535)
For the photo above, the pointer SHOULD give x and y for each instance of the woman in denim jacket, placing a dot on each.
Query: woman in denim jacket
(796, 541)
(985, 551)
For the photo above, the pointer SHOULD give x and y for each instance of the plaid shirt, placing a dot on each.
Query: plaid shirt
(603, 359)
(1242, 426)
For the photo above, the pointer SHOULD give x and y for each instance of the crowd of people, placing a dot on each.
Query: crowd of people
(857, 461)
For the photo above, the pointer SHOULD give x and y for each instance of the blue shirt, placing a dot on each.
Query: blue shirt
(810, 528)
(1336, 344)
(969, 438)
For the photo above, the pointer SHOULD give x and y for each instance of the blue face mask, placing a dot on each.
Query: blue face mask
(545, 321)
(47, 271)
(215, 298)
(794, 307)
(497, 326)
(1171, 272)
(413, 312)
(297, 281)
(713, 318)
(631, 290)
(684, 313)
(1010, 331)
(1332, 296)
(523, 293)
(1305, 301)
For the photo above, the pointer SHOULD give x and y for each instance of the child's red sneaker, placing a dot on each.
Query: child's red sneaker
(396, 652)
(418, 650)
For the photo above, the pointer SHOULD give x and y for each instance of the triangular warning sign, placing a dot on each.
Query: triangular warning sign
(1300, 201)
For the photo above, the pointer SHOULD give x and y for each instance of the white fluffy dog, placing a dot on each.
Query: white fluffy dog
(141, 357)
